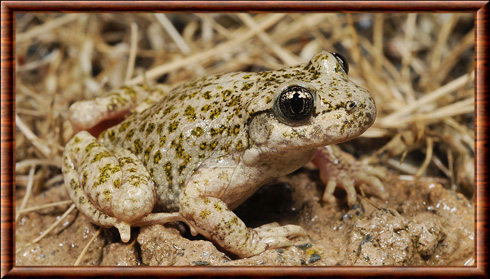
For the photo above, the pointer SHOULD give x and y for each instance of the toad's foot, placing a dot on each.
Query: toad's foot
(338, 168)
(279, 236)
(212, 218)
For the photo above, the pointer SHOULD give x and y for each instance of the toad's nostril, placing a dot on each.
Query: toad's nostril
(350, 106)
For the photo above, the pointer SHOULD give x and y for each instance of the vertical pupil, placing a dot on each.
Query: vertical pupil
(297, 103)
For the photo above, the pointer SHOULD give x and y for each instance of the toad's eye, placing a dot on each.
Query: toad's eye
(295, 103)
(342, 61)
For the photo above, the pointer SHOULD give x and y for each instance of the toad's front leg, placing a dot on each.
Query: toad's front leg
(212, 218)
(98, 114)
(338, 168)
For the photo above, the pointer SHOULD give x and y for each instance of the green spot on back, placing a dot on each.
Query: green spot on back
(157, 157)
(150, 128)
(173, 126)
(205, 108)
(203, 145)
(168, 110)
(138, 146)
(206, 95)
(168, 172)
(97, 157)
(190, 113)
(215, 113)
(117, 183)
(247, 86)
(124, 126)
(130, 134)
(226, 94)
(197, 132)
(148, 152)
(160, 128)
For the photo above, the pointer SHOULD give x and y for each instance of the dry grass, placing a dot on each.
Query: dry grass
(418, 68)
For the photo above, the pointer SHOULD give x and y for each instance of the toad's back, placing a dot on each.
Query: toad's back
(197, 121)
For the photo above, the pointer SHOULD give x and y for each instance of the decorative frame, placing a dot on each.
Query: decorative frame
(479, 8)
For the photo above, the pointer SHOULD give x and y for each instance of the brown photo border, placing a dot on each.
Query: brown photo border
(479, 8)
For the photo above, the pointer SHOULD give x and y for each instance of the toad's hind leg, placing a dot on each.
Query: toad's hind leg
(110, 187)
(212, 218)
